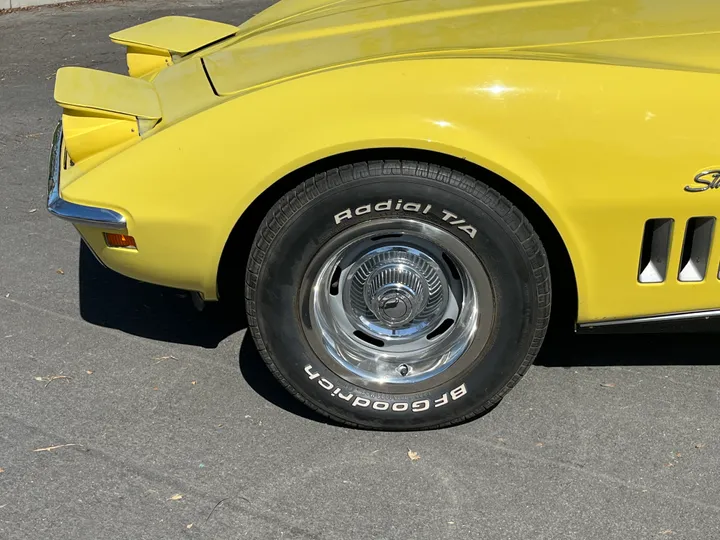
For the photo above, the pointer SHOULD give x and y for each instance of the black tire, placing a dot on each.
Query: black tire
(304, 220)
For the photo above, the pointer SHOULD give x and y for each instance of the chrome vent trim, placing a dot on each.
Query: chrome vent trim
(655, 251)
(696, 249)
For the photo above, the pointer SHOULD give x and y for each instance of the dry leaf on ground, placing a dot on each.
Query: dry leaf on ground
(51, 448)
(51, 378)
(608, 385)
(414, 456)
(699, 445)
(89, 372)
(175, 497)
(2, 470)
(55, 378)
(60, 271)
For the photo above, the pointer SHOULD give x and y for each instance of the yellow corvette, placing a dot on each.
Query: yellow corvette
(395, 182)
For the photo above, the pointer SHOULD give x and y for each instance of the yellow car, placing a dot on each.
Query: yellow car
(392, 184)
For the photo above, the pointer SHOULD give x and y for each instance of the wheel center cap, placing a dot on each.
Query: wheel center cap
(393, 307)
(396, 304)
(394, 292)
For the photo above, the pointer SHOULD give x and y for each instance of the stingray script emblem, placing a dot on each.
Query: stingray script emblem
(704, 181)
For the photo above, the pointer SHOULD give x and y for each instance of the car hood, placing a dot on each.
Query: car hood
(296, 37)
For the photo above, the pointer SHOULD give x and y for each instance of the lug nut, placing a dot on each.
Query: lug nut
(403, 369)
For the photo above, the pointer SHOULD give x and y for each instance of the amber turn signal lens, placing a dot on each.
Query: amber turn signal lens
(120, 240)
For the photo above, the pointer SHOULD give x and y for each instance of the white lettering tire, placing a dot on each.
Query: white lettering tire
(397, 294)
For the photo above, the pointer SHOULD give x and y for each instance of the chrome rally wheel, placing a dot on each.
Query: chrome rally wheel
(398, 303)
(397, 295)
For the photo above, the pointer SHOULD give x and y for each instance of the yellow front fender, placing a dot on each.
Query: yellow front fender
(583, 141)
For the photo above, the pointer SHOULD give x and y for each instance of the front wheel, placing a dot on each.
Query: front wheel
(397, 294)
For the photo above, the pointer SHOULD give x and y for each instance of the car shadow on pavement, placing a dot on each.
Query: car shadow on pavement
(258, 376)
(110, 300)
(113, 301)
(565, 349)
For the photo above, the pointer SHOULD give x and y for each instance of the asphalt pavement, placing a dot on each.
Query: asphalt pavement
(124, 413)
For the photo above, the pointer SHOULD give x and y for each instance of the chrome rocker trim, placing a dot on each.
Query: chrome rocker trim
(677, 321)
(75, 213)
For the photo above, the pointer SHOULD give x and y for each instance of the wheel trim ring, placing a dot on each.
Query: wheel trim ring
(484, 291)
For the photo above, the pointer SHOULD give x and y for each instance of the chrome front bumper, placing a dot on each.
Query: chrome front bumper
(75, 213)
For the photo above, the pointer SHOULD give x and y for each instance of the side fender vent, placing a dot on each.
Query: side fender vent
(696, 249)
(655, 250)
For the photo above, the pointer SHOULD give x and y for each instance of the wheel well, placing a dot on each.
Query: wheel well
(237, 248)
